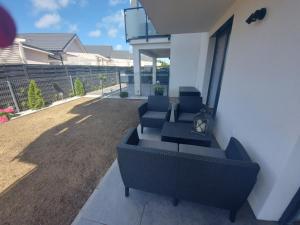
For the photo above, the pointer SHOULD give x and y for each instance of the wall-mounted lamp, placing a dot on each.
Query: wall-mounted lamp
(257, 15)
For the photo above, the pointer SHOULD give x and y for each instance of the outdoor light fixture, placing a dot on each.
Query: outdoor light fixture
(257, 15)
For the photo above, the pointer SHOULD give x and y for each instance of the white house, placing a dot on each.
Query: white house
(116, 57)
(21, 53)
(247, 71)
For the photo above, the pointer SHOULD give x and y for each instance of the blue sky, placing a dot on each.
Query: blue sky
(94, 21)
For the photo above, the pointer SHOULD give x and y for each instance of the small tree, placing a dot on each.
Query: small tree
(35, 98)
(103, 78)
(79, 88)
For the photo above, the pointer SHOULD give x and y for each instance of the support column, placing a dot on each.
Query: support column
(154, 70)
(136, 71)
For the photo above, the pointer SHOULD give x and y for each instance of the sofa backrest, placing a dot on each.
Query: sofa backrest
(190, 104)
(158, 103)
(236, 151)
(222, 183)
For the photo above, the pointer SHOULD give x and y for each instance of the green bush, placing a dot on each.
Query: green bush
(123, 94)
(79, 88)
(35, 98)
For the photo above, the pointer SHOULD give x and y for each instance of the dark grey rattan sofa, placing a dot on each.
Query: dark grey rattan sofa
(154, 112)
(209, 176)
(187, 108)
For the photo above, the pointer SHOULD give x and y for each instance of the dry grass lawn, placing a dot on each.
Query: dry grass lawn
(52, 160)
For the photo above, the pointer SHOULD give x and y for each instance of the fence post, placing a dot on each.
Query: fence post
(70, 77)
(13, 96)
(120, 84)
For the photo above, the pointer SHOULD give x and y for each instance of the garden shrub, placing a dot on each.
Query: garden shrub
(35, 98)
(123, 94)
(79, 88)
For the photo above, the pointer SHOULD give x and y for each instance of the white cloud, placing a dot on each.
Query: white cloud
(50, 19)
(112, 32)
(63, 3)
(82, 3)
(49, 5)
(73, 28)
(95, 33)
(118, 47)
(116, 2)
(112, 24)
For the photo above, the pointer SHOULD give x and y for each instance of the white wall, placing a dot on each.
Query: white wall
(260, 99)
(188, 56)
(35, 57)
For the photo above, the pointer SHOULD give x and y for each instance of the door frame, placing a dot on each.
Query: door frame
(226, 27)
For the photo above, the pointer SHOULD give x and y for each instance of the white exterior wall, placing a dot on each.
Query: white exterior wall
(188, 57)
(260, 99)
(35, 57)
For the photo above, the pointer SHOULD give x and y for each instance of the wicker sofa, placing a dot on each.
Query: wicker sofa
(209, 176)
(154, 112)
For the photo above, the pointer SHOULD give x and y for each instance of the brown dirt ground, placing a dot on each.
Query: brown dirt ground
(51, 161)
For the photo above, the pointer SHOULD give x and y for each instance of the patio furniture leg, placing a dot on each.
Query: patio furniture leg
(175, 201)
(126, 191)
(232, 216)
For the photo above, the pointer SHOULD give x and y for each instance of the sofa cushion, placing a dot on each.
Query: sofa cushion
(155, 115)
(202, 151)
(186, 117)
(169, 146)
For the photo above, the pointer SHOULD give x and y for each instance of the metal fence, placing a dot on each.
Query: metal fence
(55, 81)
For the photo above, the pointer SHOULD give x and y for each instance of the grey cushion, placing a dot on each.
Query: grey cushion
(186, 117)
(155, 115)
(159, 145)
(203, 151)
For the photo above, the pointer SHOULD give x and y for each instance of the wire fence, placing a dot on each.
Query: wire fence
(55, 81)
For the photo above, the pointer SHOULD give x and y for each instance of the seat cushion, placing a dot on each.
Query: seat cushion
(169, 146)
(186, 117)
(155, 115)
(202, 151)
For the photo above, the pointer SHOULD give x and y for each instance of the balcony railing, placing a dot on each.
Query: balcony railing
(138, 25)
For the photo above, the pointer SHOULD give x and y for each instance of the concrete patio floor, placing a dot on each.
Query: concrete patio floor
(109, 206)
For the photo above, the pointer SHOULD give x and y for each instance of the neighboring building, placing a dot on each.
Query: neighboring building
(116, 57)
(21, 53)
(247, 73)
(57, 43)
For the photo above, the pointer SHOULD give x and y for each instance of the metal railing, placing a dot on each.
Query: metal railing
(138, 25)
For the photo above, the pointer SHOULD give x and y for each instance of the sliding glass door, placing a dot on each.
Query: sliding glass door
(221, 43)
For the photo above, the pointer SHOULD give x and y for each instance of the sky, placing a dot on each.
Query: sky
(96, 22)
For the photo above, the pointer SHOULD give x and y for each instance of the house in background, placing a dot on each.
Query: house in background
(21, 53)
(247, 70)
(59, 44)
(116, 57)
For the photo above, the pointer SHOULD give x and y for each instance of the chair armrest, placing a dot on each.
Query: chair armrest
(168, 115)
(143, 109)
(131, 137)
(176, 112)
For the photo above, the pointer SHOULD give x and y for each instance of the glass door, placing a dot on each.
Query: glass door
(221, 43)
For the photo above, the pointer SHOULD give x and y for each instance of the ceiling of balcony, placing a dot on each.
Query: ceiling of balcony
(184, 16)
(157, 53)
